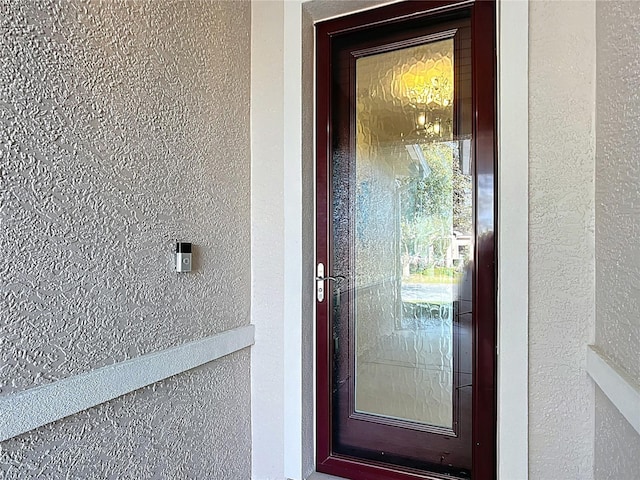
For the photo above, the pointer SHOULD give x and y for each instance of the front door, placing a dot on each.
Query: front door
(406, 251)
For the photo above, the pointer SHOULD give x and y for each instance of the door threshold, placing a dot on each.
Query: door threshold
(323, 476)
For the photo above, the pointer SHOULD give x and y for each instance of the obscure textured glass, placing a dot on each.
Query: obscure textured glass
(411, 232)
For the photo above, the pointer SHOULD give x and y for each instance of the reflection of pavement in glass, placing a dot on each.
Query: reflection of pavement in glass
(409, 375)
(427, 292)
(401, 370)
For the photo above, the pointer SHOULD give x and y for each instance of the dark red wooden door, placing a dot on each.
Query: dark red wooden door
(406, 221)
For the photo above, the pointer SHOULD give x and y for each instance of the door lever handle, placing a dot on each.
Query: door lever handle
(320, 279)
(336, 278)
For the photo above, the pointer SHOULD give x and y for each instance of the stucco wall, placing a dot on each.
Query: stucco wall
(192, 426)
(617, 224)
(125, 126)
(616, 445)
(561, 238)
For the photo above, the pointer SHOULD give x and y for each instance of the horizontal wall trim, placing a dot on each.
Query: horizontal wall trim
(619, 387)
(23, 411)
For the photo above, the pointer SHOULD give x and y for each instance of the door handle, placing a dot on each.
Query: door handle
(320, 279)
(337, 278)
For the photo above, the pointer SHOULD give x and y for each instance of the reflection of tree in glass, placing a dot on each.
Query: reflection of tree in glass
(434, 206)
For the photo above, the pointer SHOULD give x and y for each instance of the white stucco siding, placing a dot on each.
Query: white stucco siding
(125, 127)
(617, 226)
(561, 238)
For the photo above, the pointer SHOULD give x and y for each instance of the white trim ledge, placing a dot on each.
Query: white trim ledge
(23, 411)
(616, 384)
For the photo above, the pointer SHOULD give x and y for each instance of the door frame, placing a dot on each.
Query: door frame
(282, 433)
(484, 85)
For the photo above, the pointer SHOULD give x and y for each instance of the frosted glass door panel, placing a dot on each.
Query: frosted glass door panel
(412, 233)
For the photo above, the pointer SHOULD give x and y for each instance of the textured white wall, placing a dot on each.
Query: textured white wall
(561, 238)
(194, 425)
(124, 126)
(617, 444)
(617, 225)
